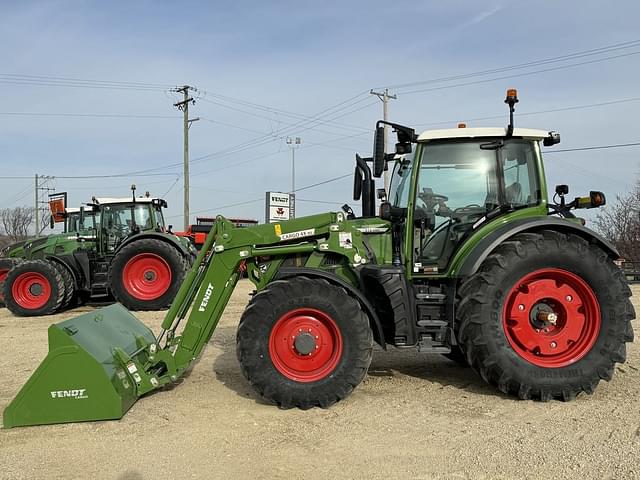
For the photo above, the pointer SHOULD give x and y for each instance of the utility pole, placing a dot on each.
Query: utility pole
(183, 106)
(293, 144)
(41, 187)
(384, 96)
(37, 209)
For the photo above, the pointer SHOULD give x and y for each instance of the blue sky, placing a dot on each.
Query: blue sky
(281, 60)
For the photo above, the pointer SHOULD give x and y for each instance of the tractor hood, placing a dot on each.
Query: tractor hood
(13, 250)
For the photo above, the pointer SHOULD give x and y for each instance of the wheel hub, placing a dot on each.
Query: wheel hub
(543, 316)
(305, 343)
(149, 276)
(35, 289)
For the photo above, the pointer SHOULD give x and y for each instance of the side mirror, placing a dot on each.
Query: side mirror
(357, 184)
(551, 140)
(378, 152)
(81, 220)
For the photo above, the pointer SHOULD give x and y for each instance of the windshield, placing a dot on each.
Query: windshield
(466, 174)
(90, 220)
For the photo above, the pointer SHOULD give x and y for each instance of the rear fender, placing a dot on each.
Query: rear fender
(173, 240)
(489, 243)
(374, 321)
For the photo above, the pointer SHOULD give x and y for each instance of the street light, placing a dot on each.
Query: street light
(293, 144)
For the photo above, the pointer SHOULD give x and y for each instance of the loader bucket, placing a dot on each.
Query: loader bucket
(81, 379)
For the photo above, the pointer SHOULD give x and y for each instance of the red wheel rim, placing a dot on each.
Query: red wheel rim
(551, 318)
(31, 290)
(305, 345)
(146, 276)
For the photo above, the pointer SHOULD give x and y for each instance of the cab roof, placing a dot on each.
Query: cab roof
(476, 132)
(87, 209)
(111, 200)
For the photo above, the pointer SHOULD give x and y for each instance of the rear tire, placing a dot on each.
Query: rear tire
(33, 288)
(303, 343)
(6, 264)
(69, 286)
(523, 280)
(146, 274)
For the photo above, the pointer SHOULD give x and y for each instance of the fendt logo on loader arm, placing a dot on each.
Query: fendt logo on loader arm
(205, 299)
(77, 394)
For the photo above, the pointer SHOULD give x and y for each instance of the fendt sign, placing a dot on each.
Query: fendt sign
(279, 206)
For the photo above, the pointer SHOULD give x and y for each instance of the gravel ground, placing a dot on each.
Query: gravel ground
(414, 416)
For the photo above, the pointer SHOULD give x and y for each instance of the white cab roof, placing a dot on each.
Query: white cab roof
(109, 200)
(77, 209)
(481, 132)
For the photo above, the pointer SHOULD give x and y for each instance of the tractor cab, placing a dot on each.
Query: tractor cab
(73, 215)
(459, 179)
(447, 184)
(122, 217)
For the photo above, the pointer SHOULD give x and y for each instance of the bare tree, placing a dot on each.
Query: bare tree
(16, 222)
(45, 219)
(620, 224)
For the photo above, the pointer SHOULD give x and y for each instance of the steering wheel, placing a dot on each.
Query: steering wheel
(470, 211)
(430, 197)
(468, 208)
(120, 230)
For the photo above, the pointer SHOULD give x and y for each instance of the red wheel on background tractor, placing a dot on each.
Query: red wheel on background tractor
(6, 264)
(546, 316)
(146, 274)
(34, 287)
(304, 342)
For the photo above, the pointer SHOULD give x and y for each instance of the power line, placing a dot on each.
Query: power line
(313, 185)
(597, 147)
(87, 115)
(274, 110)
(83, 80)
(224, 206)
(544, 61)
(487, 80)
(50, 81)
(524, 114)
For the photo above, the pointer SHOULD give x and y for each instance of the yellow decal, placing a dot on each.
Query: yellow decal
(278, 229)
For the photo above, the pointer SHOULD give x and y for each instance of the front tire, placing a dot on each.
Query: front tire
(146, 274)
(33, 288)
(546, 316)
(6, 264)
(304, 342)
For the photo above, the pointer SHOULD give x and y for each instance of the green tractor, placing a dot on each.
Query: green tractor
(116, 246)
(467, 258)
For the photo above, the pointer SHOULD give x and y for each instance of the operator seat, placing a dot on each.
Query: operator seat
(513, 193)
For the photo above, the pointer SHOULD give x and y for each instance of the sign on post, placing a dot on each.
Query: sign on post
(279, 206)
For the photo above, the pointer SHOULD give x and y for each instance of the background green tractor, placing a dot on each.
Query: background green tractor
(467, 258)
(114, 245)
